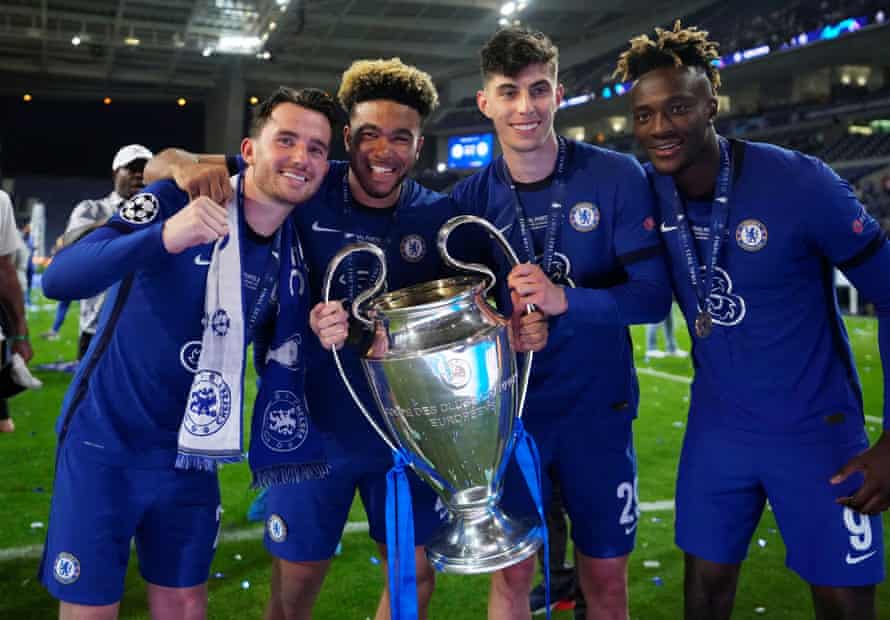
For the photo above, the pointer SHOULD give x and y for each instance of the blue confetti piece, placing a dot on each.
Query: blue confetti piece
(245, 585)
(658, 581)
(375, 559)
(339, 549)
(218, 575)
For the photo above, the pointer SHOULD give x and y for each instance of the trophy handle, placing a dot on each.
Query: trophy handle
(442, 243)
(360, 299)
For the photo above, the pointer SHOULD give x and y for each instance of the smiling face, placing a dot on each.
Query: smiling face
(384, 140)
(673, 109)
(289, 157)
(522, 107)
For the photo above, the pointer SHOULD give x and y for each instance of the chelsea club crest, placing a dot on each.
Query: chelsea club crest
(276, 528)
(751, 235)
(66, 568)
(413, 248)
(210, 404)
(285, 423)
(584, 216)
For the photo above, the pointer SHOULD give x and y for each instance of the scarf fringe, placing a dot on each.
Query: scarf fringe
(204, 463)
(288, 474)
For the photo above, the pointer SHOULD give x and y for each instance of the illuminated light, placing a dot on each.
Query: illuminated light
(802, 38)
(576, 100)
(503, 21)
(264, 55)
(75, 40)
(283, 3)
(27, 97)
(440, 167)
(607, 93)
(619, 89)
(737, 57)
(107, 101)
(238, 44)
(521, 6)
(755, 52)
(132, 41)
(284, 8)
(272, 25)
(861, 80)
(254, 100)
(207, 51)
(880, 16)
(508, 8)
(265, 37)
(845, 79)
(181, 102)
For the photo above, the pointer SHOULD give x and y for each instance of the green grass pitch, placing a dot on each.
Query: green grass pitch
(352, 587)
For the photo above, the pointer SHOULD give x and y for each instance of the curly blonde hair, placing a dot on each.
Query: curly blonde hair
(366, 80)
(678, 47)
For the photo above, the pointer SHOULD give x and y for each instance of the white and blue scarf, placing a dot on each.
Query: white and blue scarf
(282, 446)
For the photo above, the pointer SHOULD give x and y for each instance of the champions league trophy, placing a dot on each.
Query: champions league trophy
(444, 377)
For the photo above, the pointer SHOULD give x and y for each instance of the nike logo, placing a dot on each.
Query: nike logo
(667, 228)
(201, 261)
(629, 530)
(856, 559)
(319, 228)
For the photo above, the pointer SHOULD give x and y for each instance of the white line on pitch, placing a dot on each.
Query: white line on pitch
(31, 552)
(683, 379)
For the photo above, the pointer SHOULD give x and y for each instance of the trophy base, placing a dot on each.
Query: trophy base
(484, 541)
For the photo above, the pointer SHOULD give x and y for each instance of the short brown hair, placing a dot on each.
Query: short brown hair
(512, 49)
(367, 80)
(679, 47)
(309, 98)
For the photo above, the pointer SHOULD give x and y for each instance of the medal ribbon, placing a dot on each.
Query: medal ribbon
(719, 218)
(351, 276)
(554, 215)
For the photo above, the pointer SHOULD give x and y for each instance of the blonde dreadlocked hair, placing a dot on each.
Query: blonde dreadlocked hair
(679, 47)
(366, 80)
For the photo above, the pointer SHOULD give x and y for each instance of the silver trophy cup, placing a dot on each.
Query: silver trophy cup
(444, 376)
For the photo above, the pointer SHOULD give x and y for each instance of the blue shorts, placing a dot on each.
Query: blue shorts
(304, 521)
(97, 509)
(722, 488)
(594, 461)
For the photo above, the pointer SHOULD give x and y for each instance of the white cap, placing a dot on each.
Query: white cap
(129, 154)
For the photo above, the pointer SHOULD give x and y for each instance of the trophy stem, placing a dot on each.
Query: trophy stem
(483, 540)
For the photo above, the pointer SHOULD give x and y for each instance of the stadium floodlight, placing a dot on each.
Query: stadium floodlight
(508, 8)
(75, 40)
(238, 44)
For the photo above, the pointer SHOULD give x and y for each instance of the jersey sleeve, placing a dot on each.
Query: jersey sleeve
(129, 242)
(646, 295)
(842, 231)
(9, 235)
(837, 223)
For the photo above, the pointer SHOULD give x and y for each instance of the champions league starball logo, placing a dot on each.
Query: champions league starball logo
(285, 423)
(140, 209)
(66, 568)
(210, 404)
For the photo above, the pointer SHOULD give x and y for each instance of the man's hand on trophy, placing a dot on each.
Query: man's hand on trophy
(528, 331)
(534, 287)
(330, 322)
(200, 179)
(200, 221)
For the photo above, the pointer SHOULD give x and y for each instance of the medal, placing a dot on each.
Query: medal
(703, 324)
